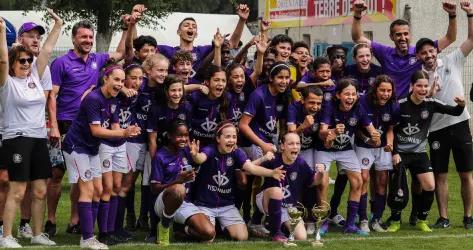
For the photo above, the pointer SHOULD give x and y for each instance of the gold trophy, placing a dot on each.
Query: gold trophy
(320, 212)
(296, 214)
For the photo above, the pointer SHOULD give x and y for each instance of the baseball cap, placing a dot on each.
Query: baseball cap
(31, 26)
(422, 42)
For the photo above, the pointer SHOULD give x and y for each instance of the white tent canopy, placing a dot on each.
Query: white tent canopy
(207, 26)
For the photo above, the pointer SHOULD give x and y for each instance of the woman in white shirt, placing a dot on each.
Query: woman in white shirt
(24, 130)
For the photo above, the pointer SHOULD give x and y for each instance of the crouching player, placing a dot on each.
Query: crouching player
(277, 195)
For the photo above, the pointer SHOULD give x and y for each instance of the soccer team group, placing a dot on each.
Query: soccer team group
(213, 132)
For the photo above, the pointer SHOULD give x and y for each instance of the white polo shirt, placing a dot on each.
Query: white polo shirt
(449, 71)
(24, 105)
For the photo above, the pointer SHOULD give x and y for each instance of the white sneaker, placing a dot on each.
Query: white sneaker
(258, 230)
(25, 231)
(364, 226)
(9, 242)
(377, 227)
(337, 220)
(92, 243)
(42, 239)
(310, 228)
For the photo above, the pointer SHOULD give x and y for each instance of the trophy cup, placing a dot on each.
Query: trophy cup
(320, 212)
(296, 214)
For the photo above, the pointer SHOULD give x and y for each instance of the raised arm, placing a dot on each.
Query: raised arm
(244, 50)
(218, 42)
(196, 155)
(48, 46)
(467, 45)
(451, 8)
(243, 12)
(3, 52)
(356, 33)
(261, 46)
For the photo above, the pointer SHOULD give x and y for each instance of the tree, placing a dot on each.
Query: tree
(105, 14)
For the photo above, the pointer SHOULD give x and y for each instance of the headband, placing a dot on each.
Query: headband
(132, 65)
(226, 125)
(111, 68)
(278, 66)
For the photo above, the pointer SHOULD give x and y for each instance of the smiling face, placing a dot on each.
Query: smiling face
(83, 40)
(401, 36)
(312, 103)
(21, 68)
(420, 89)
(284, 51)
(384, 93)
(31, 40)
(227, 140)
(363, 59)
(347, 97)
(134, 79)
(323, 72)
(187, 31)
(268, 61)
(114, 82)
(145, 51)
(301, 54)
(291, 146)
(281, 80)
(181, 138)
(217, 84)
(183, 69)
(175, 93)
(159, 71)
(428, 56)
(237, 80)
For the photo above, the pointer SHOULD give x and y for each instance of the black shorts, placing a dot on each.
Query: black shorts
(417, 163)
(3, 156)
(27, 158)
(457, 139)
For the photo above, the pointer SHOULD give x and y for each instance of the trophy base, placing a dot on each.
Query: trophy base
(317, 243)
(290, 244)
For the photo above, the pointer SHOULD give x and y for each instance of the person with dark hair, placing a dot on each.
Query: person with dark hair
(283, 45)
(449, 133)
(381, 106)
(300, 51)
(410, 142)
(321, 76)
(69, 86)
(181, 64)
(340, 120)
(143, 46)
(364, 71)
(337, 54)
(24, 134)
(303, 118)
(208, 110)
(214, 188)
(400, 62)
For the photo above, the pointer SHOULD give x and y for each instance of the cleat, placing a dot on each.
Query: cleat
(422, 226)
(394, 227)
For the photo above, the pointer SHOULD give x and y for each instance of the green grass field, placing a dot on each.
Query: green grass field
(455, 237)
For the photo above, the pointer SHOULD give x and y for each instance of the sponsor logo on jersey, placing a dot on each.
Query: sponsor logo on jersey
(271, 124)
(209, 125)
(411, 129)
(220, 179)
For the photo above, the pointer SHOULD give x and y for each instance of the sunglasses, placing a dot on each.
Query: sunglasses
(24, 60)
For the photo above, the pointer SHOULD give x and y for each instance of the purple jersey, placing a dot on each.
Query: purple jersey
(140, 111)
(161, 116)
(215, 182)
(238, 103)
(124, 115)
(382, 118)
(97, 110)
(364, 80)
(399, 68)
(166, 165)
(205, 117)
(198, 54)
(299, 176)
(296, 115)
(329, 92)
(74, 77)
(353, 120)
(266, 111)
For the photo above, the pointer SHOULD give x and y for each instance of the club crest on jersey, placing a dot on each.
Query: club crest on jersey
(386, 117)
(365, 161)
(106, 163)
(93, 65)
(209, 125)
(229, 161)
(435, 145)
(220, 179)
(315, 126)
(352, 121)
(194, 56)
(182, 116)
(279, 108)
(371, 81)
(31, 85)
(113, 107)
(185, 161)
(328, 96)
(17, 158)
(241, 97)
(412, 60)
(424, 114)
(293, 176)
